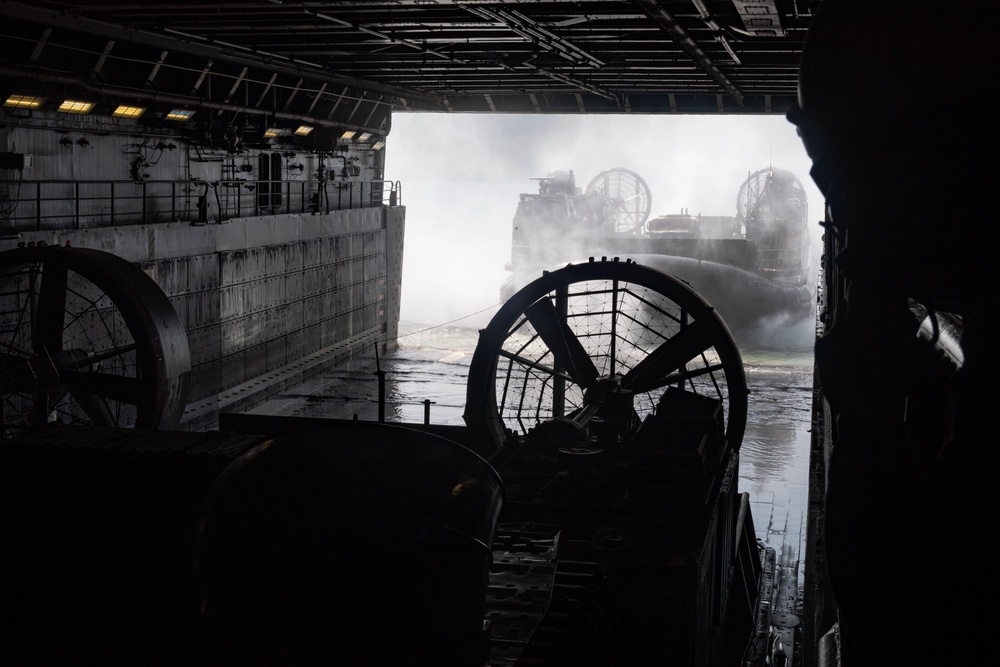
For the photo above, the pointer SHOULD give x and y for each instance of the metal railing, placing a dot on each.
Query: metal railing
(27, 205)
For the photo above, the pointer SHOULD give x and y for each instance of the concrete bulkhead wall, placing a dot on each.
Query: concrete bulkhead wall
(266, 301)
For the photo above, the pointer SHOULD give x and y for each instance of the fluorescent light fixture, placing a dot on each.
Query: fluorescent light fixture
(271, 133)
(179, 114)
(24, 101)
(303, 130)
(378, 145)
(125, 111)
(348, 134)
(75, 106)
(365, 136)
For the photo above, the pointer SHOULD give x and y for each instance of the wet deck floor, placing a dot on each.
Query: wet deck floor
(774, 458)
(774, 469)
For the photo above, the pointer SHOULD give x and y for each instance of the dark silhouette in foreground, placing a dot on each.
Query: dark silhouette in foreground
(891, 112)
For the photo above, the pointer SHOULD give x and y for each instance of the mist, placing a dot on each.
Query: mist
(462, 174)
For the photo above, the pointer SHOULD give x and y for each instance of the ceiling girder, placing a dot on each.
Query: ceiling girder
(42, 41)
(668, 23)
(534, 33)
(193, 45)
(104, 57)
(156, 68)
(385, 37)
(352, 60)
(153, 96)
(267, 89)
(201, 78)
(236, 84)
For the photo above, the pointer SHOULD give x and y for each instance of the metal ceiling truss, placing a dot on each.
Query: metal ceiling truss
(348, 64)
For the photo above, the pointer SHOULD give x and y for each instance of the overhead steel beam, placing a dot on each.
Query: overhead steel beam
(42, 41)
(668, 23)
(156, 69)
(576, 84)
(104, 57)
(267, 89)
(386, 37)
(291, 96)
(155, 96)
(236, 85)
(577, 56)
(521, 25)
(368, 118)
(202, 77)
(316, 98)
(548, 41)
(339, 98)
(200, 46)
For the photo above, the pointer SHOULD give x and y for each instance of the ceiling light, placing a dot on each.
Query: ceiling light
(179, 114)
(75, 106)
(303, 130)
(24, 101)
(348, 134)
(125, 111)
(365, 136)
(378, 145)
(271, 133)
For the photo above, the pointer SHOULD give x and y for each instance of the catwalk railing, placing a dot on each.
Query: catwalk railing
(27, 205)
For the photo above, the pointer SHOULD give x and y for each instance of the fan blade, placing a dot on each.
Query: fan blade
(116, 387)
(567, 350)
(15, 374)
(651, 373)
(94, 407)
(528, 363)
(47, 329)
(41, 406)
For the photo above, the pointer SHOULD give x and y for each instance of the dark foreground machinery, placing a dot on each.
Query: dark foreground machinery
(88, 337)
(615, 399)
(587, 514)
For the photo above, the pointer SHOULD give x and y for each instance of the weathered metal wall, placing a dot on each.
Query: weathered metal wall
(266, 301)
(94, 170)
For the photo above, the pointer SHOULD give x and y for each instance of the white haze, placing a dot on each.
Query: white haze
(461, 176)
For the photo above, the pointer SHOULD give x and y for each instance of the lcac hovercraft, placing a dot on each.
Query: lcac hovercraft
(753, 266)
